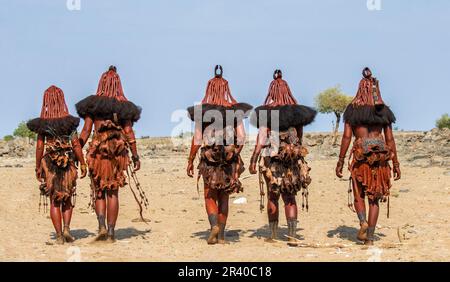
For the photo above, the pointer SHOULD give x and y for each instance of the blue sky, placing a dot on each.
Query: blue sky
(165, 52)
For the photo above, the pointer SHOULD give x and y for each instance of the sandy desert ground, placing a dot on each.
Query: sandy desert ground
(418, 229)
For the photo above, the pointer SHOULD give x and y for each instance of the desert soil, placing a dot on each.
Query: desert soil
(417, 230)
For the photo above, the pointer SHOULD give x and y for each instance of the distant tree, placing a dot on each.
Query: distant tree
(443, 122)
(8, 138)
(333, 100)
(23, 131)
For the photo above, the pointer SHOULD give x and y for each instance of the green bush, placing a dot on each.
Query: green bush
(8, 138)
(23, 131)
(333, 100)
(443, 122)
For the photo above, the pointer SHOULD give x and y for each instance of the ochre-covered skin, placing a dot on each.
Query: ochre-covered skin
(220, 164)
(58, 152)
(373, 150)
(58, 169)
(107, 156)
(282, 163)
(283, 177)
(110, 115)
(374, 177)
(370, 166)
(220, 177)
(108, 159)
(286, 170)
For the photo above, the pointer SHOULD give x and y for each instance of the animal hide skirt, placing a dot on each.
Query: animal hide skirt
(107, 158)
(287, 172)
(221, 167)
(370, 167)
(59, 172)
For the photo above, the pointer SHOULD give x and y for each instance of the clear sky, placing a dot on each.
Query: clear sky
(165, 52)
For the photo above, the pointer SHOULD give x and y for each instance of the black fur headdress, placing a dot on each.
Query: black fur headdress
(105, 108)
(369, 115)
(109, 100)
(54, 127)
(280, 101)
(288, 115)
(368, 108)
(218, 98)
(55, 119)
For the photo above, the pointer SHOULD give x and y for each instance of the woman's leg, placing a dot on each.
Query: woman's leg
(211, 198)
(100, 210)
(290, 209)
(55, 215)
(374, 210)
(67, 209)
(112, 206)
(223, 214)
(273, 213)
(360, 208)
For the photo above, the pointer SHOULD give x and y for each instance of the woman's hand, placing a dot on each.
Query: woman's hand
(397, 172)
(252, 168)
(339, 168)
(136, 163)
(190, 169)
(83, 168)
(39, 177)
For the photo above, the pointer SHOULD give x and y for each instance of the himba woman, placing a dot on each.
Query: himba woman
(220, 136)
(58, 152)
(112, 117)
(280, 153)
(370, 121)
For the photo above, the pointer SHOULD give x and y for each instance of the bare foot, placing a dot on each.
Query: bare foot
(362, 233)
(292, 242)
(59, 239)
(67, 236)
(102, 234)
(212, 239)
(368, 242)
(110, 239)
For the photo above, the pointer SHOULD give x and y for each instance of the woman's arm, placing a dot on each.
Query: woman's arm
(131, 139)
(345, 143)
(300, 134)
(40, 145)
(261, 140)
(195, 146)
(240, 134)
(79, 154)
(390, 141)
(87, 129)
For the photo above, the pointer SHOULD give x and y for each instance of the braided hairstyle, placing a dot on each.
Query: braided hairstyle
(279, 92)
(110, 85)
(54, 104)
(217, 91)
(367, 95)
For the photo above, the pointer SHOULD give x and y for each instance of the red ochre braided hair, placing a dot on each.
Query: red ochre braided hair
(365, 95)
(110, 85)
(279, 92)
(54, 104)
(368, 108)
(217, 91)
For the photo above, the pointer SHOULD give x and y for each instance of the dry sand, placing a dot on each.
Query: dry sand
(418, 229)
